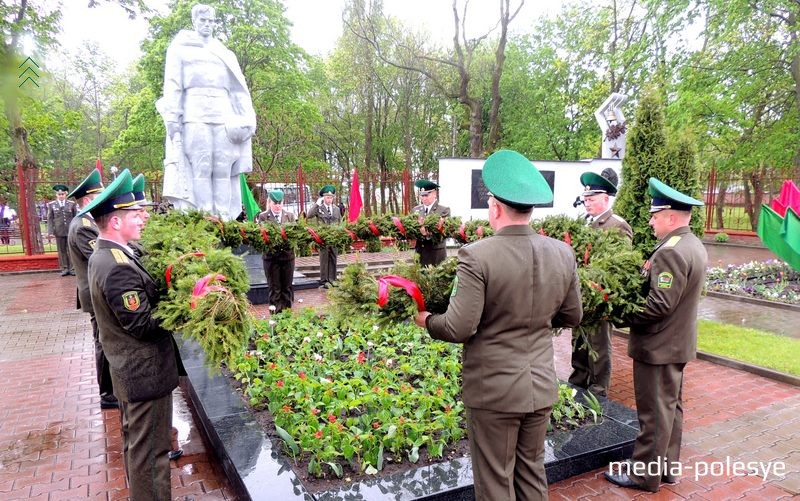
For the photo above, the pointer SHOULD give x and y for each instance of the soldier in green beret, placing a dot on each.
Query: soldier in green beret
(326, 212)
(278, 266)
(663, 338)
(509, 291)
(59, 215)
(594, 372)
(81, 242)
(429, 253)
(144, 358)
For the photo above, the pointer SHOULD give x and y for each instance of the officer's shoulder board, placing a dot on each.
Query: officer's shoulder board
(86, 223)
(673, 241)
(618, 218)
(119, 256)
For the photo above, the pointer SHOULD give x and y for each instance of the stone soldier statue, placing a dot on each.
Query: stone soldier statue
(59, 214)
(429, 252)
(209, 119)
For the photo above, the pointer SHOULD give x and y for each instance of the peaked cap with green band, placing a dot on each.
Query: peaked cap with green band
(138, 191)
(117, 196)
(666, 197)
(276, 196)
(327, 189)
(91, 184)
(425, 186)
(513, 179)
(594, 184)
(60, 187)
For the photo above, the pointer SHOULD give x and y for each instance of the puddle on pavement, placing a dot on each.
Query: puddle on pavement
(28, 446)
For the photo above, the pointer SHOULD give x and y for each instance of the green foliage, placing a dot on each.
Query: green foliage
(721, 237)
(779, 353)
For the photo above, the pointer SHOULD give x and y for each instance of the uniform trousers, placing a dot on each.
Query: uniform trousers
(429, 254)
(63, 254)
(659, 406)
(327, 264)
(100, 362)
(507, 451)
(593, 373)
(146, 430)
(280, 273)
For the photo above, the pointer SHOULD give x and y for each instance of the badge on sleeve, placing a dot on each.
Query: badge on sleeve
(131, 301)
(455, 287)
(664, 280)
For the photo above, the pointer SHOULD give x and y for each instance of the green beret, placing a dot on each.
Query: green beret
(513, 179)
(327, 189)
(599, 183)
(424, 185)
(60, 187)
(92, 184)
(665, 197)
(276, 196)
(118, 196)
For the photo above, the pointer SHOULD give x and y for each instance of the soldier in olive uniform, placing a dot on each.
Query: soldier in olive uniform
(326, 212)
(278, 266)
(81, 241)
(145, 363)
(663, 338)
(60, 213)
(594, 372)
(430, 252)
(510, 290)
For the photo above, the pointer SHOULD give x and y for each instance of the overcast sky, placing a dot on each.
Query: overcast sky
(317, 23)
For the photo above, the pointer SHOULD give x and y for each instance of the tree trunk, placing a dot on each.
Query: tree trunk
(32, 238)
(720, 206)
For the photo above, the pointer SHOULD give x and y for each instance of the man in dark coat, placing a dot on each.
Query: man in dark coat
(430, 252)
(663, 338)
(326, 212)
(279, 265)
(81, 242)
(145, 363)
(510, 290)
(594, 371)
(60, 213)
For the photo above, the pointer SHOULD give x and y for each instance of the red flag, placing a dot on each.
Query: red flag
(355, 199)
(99, 167)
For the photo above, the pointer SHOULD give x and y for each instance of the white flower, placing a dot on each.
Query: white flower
(273, 322)
(306, 339)
(299, 300)
(324, 380)
(374, 328)
(272, 307)
(369, 344)
(319, 334)
(389, 362)
(317, 357)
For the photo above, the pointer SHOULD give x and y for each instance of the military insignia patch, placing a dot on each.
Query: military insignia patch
(664, 280)
(92, 243)
(131, 301)
(455, 287)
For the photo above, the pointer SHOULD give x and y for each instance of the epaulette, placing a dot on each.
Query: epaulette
(672, 241)
(86, 223)
(119, 256)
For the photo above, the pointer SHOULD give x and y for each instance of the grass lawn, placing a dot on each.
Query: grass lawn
(752, 346)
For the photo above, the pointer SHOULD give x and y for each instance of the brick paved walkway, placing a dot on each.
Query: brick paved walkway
(56, 443)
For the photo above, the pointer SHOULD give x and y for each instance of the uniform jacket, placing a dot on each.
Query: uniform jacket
(81, 241)
(325, 216)
(286, 217)
(666, 331)
(443, 211)
(58, 218)
(608, 221)
(144, 360)
(511, 290)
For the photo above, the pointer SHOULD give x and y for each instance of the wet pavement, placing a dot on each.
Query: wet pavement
(56, 443)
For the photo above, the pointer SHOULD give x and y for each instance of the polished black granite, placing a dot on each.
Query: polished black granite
(259, 290)
(257, 469)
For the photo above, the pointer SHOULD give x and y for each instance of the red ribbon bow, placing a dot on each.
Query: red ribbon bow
(352, 235)
(399, 225)
(462, 233)
(410, 287)
(374, 229)
(201, 287)
(315, 236)
(264, 235)
(168, 271)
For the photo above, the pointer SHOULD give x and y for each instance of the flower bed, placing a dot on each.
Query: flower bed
(769, 280)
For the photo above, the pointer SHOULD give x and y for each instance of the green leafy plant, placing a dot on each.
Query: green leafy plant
(721, 237)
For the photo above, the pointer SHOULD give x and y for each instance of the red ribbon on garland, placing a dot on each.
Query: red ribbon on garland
(201, 287)
(283, 234)
(352, 235)
(479, 231)
(410, 287)
(462, 233)
(374, 229)
(542, 233)
(168, 271)
(315, 236)
(264, 235)
(568, 238)
(586, 254)
(399, 225)
(440, 226)
(600, 288)
(241, 231)
(215, 219)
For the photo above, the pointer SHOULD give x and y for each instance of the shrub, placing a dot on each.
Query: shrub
(721, 237)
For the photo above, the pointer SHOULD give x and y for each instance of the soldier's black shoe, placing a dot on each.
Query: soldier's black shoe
(109, 402)
(623, 480)
(72, 273)
(65, 273)
(175, 454)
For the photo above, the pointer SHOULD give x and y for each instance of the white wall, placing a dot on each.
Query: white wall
(458, 191)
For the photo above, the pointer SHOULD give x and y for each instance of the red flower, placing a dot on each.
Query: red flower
(301, 375)
(402, 420)
(279, 384)
(361, 357)
(315, 411)
(247, 355)
(447, 408)
(264, 336)
(339, 426)
(375, 389)
(331, 418)
(318, 434)
(287, 408)
(376, 425)
(272, 365)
